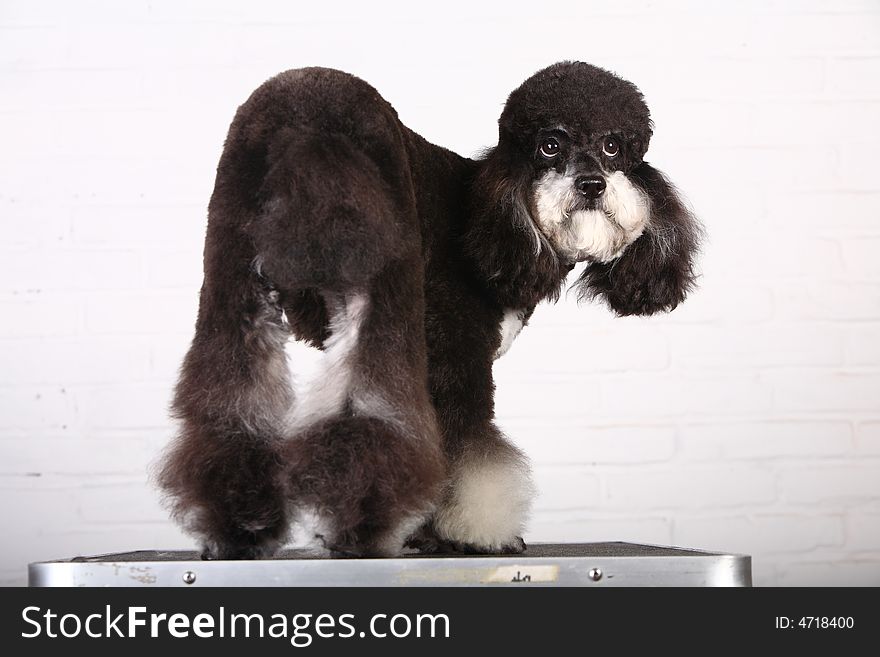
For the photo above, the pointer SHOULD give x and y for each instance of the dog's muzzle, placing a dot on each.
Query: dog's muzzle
(589, 216)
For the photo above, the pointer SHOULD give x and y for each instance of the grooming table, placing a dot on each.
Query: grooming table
(542, 564)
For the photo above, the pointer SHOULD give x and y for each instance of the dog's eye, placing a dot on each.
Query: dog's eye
(610, 146)
(550, 147)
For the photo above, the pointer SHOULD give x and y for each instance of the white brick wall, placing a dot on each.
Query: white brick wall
(748, 420)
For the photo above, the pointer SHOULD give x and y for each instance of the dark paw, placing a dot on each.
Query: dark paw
(423, 542)
(426, 541)
(240, 551)
(518, 546)
(345, 552)
(430, 543)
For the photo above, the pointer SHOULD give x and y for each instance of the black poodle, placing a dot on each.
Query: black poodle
(413, 269)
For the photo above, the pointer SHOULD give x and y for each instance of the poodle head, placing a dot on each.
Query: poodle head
(570, 164)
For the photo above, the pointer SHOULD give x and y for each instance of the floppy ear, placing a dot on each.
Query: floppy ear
(656, 271)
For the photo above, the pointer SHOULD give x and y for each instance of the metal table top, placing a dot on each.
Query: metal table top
(542, 564)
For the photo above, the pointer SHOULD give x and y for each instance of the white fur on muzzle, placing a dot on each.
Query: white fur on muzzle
(600, 234)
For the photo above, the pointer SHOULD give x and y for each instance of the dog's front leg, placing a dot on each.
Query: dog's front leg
(488, 492)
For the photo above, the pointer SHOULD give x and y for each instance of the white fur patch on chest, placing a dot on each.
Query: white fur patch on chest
(511, 325)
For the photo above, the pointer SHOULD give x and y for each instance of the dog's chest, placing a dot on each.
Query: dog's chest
(511, 325)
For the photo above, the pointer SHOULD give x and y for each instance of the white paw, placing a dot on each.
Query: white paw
(488, 505)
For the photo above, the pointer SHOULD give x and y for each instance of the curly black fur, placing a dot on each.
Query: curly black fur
(333, 222)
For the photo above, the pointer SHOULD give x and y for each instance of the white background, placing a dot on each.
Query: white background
(747, 421)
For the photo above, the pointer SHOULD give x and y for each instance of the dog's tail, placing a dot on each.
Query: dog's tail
(329, 219)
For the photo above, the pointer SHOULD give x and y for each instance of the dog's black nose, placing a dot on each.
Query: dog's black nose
(590, 186)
